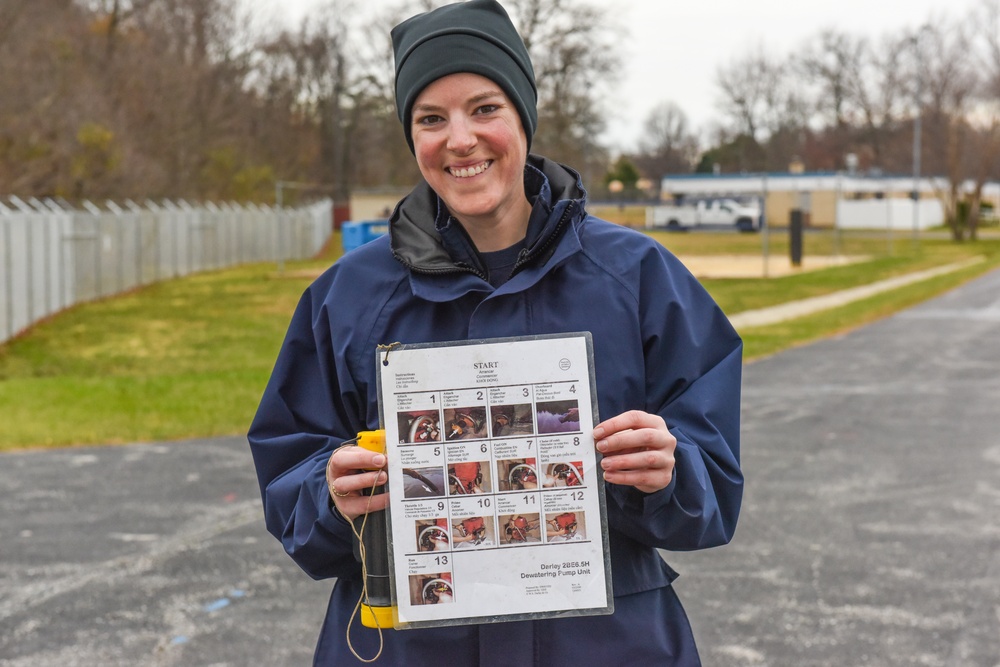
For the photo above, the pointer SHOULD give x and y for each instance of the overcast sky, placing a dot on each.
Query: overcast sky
(675, 47)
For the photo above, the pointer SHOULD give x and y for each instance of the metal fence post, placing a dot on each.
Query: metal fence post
(140, 266)
(215, 218)
(61, 273)
(159, 220)
(236, 238)
(175, 225)
(98, 239)
(8, 263)
(117, 211)
(60, 216)
(39, 209)
(29, 257)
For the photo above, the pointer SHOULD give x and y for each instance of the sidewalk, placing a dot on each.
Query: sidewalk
(793, 309)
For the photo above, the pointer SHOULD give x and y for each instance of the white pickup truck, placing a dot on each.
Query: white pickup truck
(705, 213)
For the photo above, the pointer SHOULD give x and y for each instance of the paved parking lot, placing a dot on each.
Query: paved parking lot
(870, 534)
(871, 527)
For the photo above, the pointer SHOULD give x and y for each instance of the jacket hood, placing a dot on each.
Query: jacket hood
(425, 238)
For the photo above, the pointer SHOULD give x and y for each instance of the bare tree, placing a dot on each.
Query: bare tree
(752, 88)
(765, 107)
(573, 47)
(176, 98)
(385, 159)
(574, 53)
(831, 62)
(10, 13)
(983, 161)
(40, 121)
(858, 91)
(944, 75)
(668, 144)
(880, 92)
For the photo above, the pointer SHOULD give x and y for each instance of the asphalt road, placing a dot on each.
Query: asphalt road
(870, 533)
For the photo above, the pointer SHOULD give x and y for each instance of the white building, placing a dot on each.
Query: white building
(829, 198)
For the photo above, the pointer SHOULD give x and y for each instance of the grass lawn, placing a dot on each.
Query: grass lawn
(190, 357)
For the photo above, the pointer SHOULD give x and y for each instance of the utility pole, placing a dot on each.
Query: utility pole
(915, 195)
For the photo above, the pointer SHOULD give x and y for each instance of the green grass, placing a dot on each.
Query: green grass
(177, 359)
(190, 357)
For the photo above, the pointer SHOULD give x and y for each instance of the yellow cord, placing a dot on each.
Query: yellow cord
(364, 583)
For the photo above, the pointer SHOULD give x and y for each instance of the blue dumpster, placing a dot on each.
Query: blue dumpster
(355, 234)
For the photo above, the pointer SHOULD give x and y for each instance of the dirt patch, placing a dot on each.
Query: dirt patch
(754, 266)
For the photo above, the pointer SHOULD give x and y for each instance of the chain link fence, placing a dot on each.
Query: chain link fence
(53, 256)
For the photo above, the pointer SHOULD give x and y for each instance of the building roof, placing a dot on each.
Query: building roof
(704, 184)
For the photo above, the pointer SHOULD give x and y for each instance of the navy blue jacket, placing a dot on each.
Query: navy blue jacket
(661, 345)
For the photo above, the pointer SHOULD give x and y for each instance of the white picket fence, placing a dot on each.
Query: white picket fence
(53, 256)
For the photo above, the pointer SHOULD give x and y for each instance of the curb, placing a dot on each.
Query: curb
(793, 309)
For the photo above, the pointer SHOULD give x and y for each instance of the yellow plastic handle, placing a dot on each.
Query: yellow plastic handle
(373, 441)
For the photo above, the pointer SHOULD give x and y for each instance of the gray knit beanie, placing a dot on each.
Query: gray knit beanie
(476, 37)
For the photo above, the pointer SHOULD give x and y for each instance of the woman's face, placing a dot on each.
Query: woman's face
(471, 149)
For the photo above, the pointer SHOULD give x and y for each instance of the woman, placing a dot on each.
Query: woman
(497, 242)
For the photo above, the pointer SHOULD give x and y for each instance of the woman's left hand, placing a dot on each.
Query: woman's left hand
(638, 450)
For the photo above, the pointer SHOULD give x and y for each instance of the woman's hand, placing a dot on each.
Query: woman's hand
(638, 450)
(351, 473)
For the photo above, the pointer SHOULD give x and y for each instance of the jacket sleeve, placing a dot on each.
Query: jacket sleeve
(308, 409)
(693, 366)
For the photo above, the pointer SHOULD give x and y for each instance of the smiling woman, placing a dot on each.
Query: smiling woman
(471, 150)
(495, 243)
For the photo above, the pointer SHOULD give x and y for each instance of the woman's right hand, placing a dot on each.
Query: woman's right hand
(351, 473)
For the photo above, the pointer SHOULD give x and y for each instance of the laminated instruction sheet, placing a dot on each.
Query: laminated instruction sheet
(497, 508)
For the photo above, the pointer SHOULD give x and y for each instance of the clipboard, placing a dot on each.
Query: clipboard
(497, 506)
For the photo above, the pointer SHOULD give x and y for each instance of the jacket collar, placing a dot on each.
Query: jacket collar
(427, 240)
